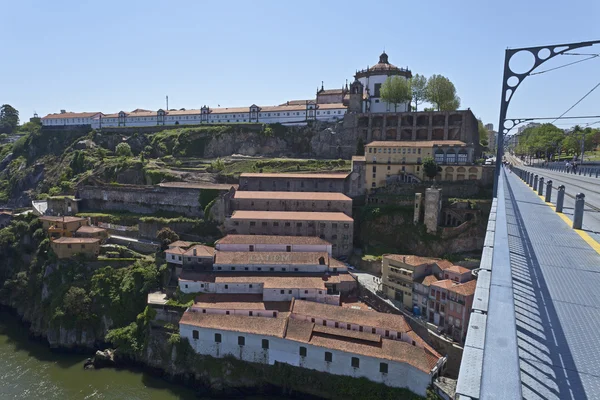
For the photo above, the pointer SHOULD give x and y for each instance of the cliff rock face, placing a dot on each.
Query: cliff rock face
(319, 140)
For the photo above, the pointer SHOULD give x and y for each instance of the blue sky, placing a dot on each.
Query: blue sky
(121, 55)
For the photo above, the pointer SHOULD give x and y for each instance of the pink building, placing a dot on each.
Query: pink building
(450, 306)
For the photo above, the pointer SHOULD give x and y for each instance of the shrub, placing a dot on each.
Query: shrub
(123, 150)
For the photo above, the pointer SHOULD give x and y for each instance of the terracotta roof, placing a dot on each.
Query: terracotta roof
(198, 185)
(73, 240)
(90, 229)
(444, 283)
(236, 323)
(62, 219)
(297, 102)
(269, 280)
(272, 239)
(330, 91)
(393, 350)
(465, 289)
(345, 333)
(350, 315)
(309, 196)
(410, 259)
(71, 115)
(422, 143)
(305, 332)
(292, 216)
(238, 302)
(174, 250)
(343, 175)
(444, 264)
(201, 251)
(180, 243)
(429, 279)
(271, 258)
(457, 269)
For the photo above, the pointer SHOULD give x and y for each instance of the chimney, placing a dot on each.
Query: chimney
(63, 111)
(194, 252)
(404, 259)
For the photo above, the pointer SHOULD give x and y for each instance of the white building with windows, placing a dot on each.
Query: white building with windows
(286, 114)
(371, 80)
(336, 340)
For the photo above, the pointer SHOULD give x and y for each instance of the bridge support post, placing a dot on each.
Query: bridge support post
(560, 198)
(548, 191)
(598, 170)
(578, 215)
(535, 182)
(541, 186)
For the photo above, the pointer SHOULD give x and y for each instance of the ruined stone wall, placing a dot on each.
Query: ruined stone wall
(465, 189)
(141, 199)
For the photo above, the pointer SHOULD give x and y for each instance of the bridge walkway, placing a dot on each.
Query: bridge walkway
(553, 274)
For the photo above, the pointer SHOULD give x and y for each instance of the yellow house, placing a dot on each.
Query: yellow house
(62, 226)
(67, 247)
(395, 161)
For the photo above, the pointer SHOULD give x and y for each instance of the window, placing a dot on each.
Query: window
(275, 223)
(306, 292)
(328, 356)
(377, 90)
(348, 326)
(226, 286)
(264, 223)
(217, 338)
(324, 322)
(360, 328)
(226, 312)
(383, 368)
(302, 351)
(289, 292)
(312, 320)
(249, 313)
(265, 344)
(337, 325)
(334, 226)
(195, 334)
(387, 333)
(299, 224)
(282, 291)
(241, 341)
(252, 223)
(355, 362)
(288, 224)
(373, 330)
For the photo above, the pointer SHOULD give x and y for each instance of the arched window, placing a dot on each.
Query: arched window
(439, 156)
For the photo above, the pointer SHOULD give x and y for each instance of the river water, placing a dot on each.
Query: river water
(29, 370)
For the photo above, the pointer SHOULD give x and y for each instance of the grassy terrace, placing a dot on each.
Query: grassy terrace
(235, 168)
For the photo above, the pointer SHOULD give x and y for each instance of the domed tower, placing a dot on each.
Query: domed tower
(373, 77)
(355, 104)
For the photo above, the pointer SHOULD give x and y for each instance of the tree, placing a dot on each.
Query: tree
(396, 90)
(9, 119)
(123, 150)
(441, 93)
(166, 236)
(418, 86)
(78, 162)
(360, 147)
(430, 167)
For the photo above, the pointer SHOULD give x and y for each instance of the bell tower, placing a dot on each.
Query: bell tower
(356, 97)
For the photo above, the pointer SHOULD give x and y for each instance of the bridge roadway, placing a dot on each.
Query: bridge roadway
(534, 331)
(590, 186)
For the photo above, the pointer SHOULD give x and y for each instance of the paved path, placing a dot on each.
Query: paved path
(555, 280)
(576, 184)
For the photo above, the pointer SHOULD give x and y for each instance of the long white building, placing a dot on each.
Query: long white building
(336, 340)
(362, 96)
(287, 114)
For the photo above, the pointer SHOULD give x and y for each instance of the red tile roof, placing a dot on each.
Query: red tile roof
(308, 196)
(180, 243)
(238, 302)
(295, 176)
(410, 259)
(291, 216)
(236, 323)
(62, 219)
(465, 289)
(73, 240)
(419, 143)
(428, 280)
(201, 251)
(71, 115)
(272, 239)
(174, 250)
(350, 315)
(90, 229)
(269, 280)
(271, 258)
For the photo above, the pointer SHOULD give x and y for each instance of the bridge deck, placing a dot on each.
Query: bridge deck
(555, 281)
